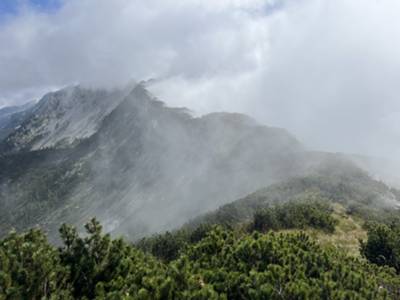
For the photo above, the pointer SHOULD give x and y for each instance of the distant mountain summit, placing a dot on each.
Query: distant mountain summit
(137, 165)
(62, 118)
(12, 117)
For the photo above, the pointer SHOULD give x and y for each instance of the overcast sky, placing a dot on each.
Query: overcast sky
(328, 71)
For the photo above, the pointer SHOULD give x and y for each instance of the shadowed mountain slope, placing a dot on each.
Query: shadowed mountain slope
(137, 165)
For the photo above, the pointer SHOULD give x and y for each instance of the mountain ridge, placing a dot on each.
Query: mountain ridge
(144, 167)
(143, 159)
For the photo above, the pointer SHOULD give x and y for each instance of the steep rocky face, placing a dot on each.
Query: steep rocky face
(139, 166)
(62, 118)
(12, 117)
(154, 167)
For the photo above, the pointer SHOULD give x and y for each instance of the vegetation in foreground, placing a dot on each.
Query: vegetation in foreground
(211, 262)
(309, 238)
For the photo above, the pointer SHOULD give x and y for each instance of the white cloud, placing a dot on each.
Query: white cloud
(326, 70)
(99, 41)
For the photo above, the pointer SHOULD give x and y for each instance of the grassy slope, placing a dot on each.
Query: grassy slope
(356, 198)
(347, 233)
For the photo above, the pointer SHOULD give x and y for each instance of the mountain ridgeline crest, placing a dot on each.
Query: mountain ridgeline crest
(136, 164)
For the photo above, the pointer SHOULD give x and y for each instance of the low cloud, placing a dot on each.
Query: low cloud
(325, 70)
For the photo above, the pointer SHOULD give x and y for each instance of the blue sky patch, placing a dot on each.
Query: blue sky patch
(12, 7)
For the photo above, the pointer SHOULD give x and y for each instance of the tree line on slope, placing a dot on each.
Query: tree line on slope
(301, 214)
(212, 262)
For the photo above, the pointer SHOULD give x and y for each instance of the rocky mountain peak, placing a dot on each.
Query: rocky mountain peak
(62, 118)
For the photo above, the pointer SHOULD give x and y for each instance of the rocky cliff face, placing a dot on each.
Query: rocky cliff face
(134, 163)
(12, 117)
(62, 118)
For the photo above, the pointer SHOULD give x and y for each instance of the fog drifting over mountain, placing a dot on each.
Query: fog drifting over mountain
(325, 70)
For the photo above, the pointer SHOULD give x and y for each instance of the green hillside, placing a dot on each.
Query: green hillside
(335, 182)
(328, 236)
(224, 264)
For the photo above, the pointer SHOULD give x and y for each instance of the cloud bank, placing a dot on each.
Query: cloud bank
(326, 70)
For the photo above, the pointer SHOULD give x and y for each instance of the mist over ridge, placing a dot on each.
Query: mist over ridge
(199, 149)
(326, 71)
(243, 108)
(141, 167)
